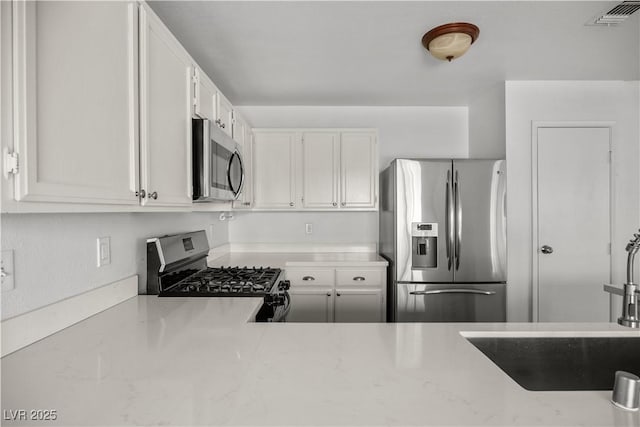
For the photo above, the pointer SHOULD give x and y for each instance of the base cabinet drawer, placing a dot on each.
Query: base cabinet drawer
(359, 277)
(311, 277)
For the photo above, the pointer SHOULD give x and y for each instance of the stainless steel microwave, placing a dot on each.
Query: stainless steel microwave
(218, 171)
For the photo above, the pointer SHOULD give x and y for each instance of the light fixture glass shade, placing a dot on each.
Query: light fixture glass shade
(450, 41)
(450, 46)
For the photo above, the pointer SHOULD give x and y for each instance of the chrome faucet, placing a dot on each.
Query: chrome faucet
(630, 310)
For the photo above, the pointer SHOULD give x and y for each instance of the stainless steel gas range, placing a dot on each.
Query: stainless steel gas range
(177, 267)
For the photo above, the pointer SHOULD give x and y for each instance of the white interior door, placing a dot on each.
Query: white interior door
(573, 227)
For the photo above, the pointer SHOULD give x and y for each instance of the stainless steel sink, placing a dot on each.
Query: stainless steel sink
(561, 363)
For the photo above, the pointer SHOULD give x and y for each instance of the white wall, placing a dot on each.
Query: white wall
(487, 123)
(567, 101)
(55, 254)
(434, 132)
(289, 227)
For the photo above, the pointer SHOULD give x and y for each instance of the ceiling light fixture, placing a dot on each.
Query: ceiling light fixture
(450, 41)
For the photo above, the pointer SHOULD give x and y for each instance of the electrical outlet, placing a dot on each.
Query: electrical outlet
(104, 251)
(7, 276)
(308, 228)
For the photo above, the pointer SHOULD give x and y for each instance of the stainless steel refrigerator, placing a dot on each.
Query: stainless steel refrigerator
(443, 231)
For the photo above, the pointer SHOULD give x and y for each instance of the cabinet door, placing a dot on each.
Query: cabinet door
(274, 168)
(358, 170)
(358, 305)
(205, 96)
(314, 305)
(76, 101)
(320, 151)
(243, 136)
(165, 113)
(225, 114)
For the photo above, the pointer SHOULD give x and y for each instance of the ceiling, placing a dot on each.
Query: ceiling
(370, 53)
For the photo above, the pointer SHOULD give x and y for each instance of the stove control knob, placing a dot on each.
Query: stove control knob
(284, 285)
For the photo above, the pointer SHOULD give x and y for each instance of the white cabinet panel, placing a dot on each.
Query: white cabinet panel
(225, 114)
(166, 97)
(76, 101)
(311, 305)
(243, 135)
(320, 151)
(274, 169)
(358, 176)
(205, 96)
(358, 305)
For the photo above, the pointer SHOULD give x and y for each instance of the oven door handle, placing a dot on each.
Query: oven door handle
(453, 291)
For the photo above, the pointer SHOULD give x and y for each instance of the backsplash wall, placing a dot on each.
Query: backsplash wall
(55, 254)
(289, 227)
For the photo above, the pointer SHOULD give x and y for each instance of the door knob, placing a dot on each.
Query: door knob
(545, 249)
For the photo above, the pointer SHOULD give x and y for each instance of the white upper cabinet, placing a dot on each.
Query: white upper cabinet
(274, 170)
(205, 97)
(166, 72)
(320, 162)
(329, 169)
(210, 103)
(244, 136)
(225, 114)
(76, 101)
(358, 170)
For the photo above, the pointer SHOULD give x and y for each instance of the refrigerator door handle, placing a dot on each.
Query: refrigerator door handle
(458, 243)
(448, 223)
(453, 291)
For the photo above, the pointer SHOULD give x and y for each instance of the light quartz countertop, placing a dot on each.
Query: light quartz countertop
(299, 259)
(196, 361)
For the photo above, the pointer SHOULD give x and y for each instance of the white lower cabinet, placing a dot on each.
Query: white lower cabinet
(349, 294)
(358, 305)
(311, 305)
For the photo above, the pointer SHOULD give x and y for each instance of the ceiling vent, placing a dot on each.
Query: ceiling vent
(617, 15)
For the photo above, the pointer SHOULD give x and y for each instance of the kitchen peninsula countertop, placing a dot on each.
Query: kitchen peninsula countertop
(196, 361)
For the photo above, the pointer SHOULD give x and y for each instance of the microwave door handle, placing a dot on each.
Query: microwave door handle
(206, 160)
(229, 180)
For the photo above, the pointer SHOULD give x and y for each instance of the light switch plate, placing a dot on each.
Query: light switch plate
(7, 271)
(104, 251)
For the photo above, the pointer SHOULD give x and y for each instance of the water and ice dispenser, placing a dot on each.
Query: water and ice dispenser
(424, 245)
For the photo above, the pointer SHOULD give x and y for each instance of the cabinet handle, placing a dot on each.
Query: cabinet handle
(343, 204)
(338, 294)
(218, 122)
(358, 278)
(308, 278)
(153, 195)
(335, 204)
(222, 125)
(290, 203)
(142, 194)
(328, 294)
(246, 203)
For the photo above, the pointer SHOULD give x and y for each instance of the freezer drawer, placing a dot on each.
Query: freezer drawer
(450, 302)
